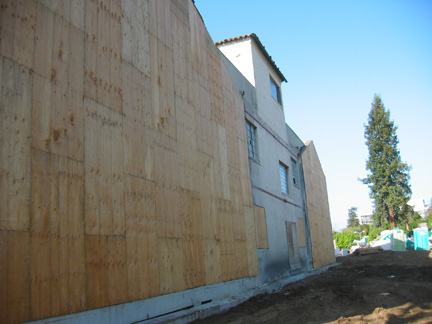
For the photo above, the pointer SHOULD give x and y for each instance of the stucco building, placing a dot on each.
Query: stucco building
(283, 169)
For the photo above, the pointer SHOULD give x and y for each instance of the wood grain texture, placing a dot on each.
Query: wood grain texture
(123, 161)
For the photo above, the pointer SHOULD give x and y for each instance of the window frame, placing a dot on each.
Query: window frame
(284, 178)
(294, 172)
(277, 95)
(252, 143)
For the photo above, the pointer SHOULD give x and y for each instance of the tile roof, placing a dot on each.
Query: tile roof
(260, 46)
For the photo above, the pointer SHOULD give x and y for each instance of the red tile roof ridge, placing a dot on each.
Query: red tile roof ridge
(260, 46)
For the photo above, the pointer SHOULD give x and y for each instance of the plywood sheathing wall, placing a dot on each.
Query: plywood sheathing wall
(123, 159)
(317, 208)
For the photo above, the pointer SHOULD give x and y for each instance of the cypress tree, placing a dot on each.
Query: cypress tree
(353, 220)
(388, 179)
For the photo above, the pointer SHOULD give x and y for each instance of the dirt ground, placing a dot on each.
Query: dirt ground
(387, 287)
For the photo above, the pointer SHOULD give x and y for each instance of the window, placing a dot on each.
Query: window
(251, 139)
(275, 90)
(294, 172)
(283, 170)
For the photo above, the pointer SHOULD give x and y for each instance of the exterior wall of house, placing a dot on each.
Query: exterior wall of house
(242, 57)
(288, 250)
(123, 163)
(272, 112)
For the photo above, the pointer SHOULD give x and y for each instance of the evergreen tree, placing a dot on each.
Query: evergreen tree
(353, 220)
(388, 179)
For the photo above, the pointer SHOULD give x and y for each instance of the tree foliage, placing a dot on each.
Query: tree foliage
(388, 179)
(344, 239)
(353, 220)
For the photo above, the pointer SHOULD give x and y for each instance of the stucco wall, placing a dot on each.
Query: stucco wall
(274, 145)
(123, 158)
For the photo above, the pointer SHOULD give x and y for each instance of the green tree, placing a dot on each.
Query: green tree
(353, 220)
(344, 239)
(388, 179)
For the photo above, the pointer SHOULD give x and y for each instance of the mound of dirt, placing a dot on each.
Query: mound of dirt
(386, 287)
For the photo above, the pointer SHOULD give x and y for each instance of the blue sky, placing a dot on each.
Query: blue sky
(336, 55)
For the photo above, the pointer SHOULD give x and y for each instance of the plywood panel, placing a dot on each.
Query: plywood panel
(57, 119)
(244, 171)
(138, 149)
(44, 41)
(77, 13)
(96, 250)
(212, 262)
(166, 168)
(237, 205)
(103, 52)
(251, 241)
(91, 50)
(222, 172)
(24, 33)
(104, 170)
(3, 277)
(227, 248)
(57, 122)
(57, 235)
(60, 55)
(168, 213)
(17, 264)
(126, 127)
(193, 252)
(115, 52)
(241, 259)
(171, 265)
(116, 270)
(302, 234)
(208, 198)
(136, 38)
(142, 265)
(164, 116)
(60, 8)
(7, 23)
(76, 57)
(317, 207)
(15, 142)
(261, 227)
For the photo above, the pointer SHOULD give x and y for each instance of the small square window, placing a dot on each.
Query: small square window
(275, 90)
(283, 170)
(251, 139)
